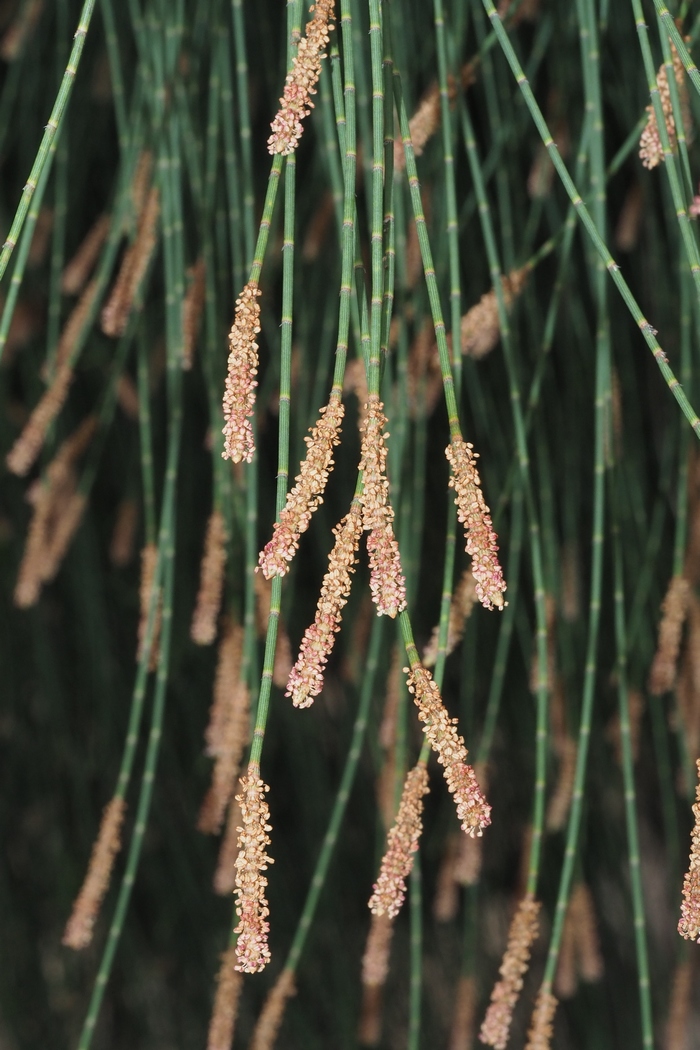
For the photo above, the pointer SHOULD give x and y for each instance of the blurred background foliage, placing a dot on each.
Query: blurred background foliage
(195, 83)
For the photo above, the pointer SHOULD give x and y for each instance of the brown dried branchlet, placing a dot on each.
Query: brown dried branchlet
(83, 262)
(252, 949)
(579, 954)
(473, 810)
(481, 327)
(521, 936)
(689, 922)
(463, 600)
(149, 562)
(307, 494)
(390, 887)
(137, 257)
(539, 1036)
(121, 547)
(446, 899)
(301, 81)
(192, 311)
(225, 873)
(226, 678)
(229, 983)
(679, 1012)
(234, 737)
(265, 1031)
(650, 149)
(387, 582)
(674, 611)
(211, 581)
(79, 929)
(306, 677)
(462, 1031)
(58, 508)
(239, 393)
(375, 969)
(27, 446)
(474, 514)
(558, 807)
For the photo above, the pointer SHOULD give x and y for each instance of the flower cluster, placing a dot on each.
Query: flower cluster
(523, 931)
(306, 495)
(689, 923)
(301, 81)
(472, 808)
(306, 677)
(390, 887)
(252, 860)
(239, 395)
(473, 512)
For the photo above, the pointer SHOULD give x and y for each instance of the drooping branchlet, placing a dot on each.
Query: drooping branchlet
(239, 393)
(473, 512)
(306, 495)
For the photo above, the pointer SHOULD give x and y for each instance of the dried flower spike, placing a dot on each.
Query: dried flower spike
(650, 149)
(390, 887)
(251, 907)
(228, 992)
(239, 395)
(542, 1025)
(306, 495)
(674, 609)
(521, 936)
(301, 81)
(689, 923)
(473, 810)
(79, 929)
(473, 512)
(306, 677)
(211, 581)
(265, 1031)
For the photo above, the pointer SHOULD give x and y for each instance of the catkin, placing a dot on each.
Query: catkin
(229, 983)
(689, 922)
(460, 608)
(252, 950)
(375, 968)
(234, 737)
(462, 1031)
(265, 1031)
(192, 311)
(211, 581)
(306, 677)
(225, 873)
(239, 392)
(521, 936)
(83, 262)
(473, 512)
(307, 493)
(390, 887)
(301, 81)
(674, 611)
(650, 148)
(137, 257)
(473, 811)
(539, 1036)
(79, 929)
